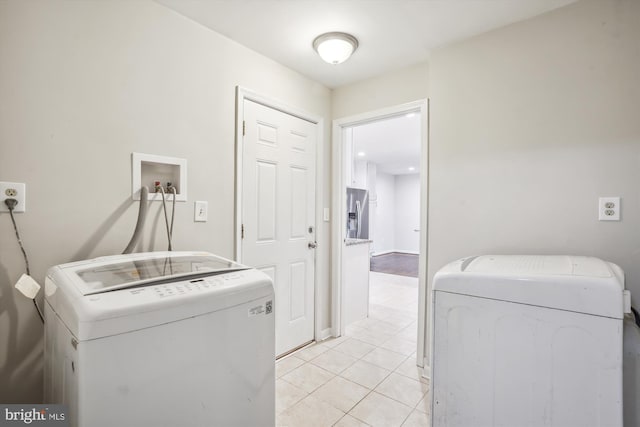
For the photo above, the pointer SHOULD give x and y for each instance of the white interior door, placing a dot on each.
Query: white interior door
(278, 215)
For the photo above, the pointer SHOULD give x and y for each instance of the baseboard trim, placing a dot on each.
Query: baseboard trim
(325, 333)
(395, 251)
(426, 372)
(381, 253)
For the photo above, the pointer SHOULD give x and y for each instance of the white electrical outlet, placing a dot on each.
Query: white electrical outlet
(609, 209)
(13, 190)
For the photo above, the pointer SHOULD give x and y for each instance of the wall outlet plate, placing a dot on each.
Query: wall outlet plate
(13, 190)
(609, 209)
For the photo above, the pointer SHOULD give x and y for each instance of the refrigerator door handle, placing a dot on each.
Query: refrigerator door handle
(359, 216)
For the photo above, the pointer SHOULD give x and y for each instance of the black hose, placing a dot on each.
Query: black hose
(636, 316)
(142, 216)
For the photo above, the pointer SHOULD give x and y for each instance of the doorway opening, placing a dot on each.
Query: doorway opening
(380, 161)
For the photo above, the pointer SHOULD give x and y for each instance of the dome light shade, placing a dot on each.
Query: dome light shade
(336, 47)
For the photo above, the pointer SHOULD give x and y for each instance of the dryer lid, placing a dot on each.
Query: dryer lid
(573, 283)
(115, 273)
(541, 265)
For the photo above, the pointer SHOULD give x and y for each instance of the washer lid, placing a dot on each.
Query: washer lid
(122, 293)
(572, 283)
(121, 272)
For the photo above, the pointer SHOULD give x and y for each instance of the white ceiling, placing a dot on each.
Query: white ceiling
(392, 144)
(392, 33)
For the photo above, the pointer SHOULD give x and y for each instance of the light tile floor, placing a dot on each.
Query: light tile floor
(368, 377)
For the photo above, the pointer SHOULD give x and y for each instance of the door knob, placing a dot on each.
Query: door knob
(312, 245)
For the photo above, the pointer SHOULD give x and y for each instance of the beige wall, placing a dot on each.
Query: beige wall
(391, 89)
(530, 124)
(82, 86)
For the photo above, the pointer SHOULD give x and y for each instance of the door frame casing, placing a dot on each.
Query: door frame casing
(420, 107)
(243, 94)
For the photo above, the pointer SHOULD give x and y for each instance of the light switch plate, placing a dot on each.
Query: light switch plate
(201, 211)
(326, 215)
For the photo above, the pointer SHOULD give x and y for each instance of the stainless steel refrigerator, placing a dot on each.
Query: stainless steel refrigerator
(357, 213)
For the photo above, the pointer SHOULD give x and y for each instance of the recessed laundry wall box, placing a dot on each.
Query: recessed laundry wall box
(527, 341)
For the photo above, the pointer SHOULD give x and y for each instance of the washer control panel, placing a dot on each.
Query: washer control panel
(186, 287)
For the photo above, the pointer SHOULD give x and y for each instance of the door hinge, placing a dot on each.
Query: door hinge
(244, 128)
(242, 231)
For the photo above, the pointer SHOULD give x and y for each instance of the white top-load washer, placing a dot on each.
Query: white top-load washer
(528, 341)
(160, 339)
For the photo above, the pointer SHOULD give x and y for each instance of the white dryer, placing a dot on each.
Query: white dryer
(160, 339)
(528, 341)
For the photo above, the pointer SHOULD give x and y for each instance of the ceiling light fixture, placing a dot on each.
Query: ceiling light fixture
(335, 47)
(361, 153)
(411, 168)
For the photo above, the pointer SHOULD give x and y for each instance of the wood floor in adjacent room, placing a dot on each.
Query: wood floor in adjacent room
(399, 263)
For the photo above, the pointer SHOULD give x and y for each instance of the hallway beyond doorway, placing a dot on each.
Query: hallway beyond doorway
(343, 155)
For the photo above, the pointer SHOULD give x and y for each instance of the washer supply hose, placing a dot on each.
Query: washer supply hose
(173, 214)
(142, 217)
